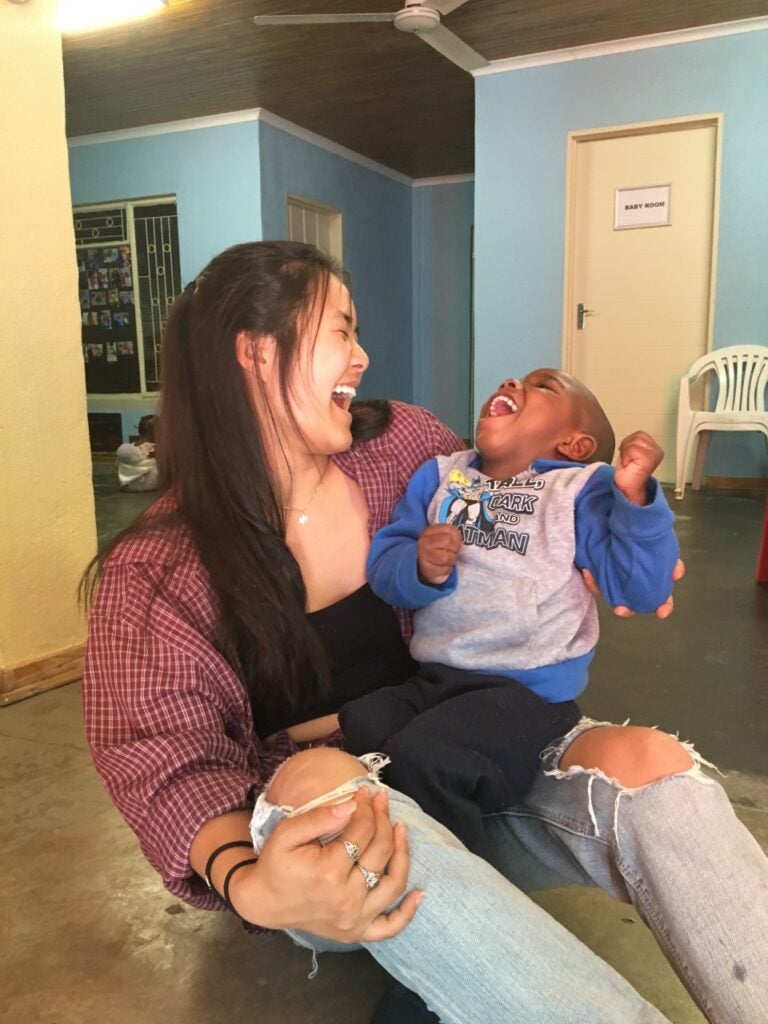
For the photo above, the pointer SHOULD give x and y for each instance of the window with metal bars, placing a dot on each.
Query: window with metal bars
(129, 274)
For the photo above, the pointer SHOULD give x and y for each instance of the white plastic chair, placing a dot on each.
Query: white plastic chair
(742, 377)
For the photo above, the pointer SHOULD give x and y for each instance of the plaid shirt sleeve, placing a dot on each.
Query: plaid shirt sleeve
(167, 718)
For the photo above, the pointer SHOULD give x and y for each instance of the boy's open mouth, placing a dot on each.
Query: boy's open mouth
(501, 405)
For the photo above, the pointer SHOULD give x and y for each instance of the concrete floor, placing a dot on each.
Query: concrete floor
(90, 935)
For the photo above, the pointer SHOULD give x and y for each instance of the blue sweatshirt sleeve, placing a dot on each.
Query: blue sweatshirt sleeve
(392, 568)
(630, 549)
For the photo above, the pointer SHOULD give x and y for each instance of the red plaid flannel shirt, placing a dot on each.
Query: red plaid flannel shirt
(167, 717)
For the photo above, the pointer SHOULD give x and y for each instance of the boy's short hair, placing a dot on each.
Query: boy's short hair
(596, 423)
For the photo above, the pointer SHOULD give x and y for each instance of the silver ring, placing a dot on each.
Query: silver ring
(371, 878)
(353, 850)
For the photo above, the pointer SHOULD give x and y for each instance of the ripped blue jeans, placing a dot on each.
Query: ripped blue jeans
(480, 952)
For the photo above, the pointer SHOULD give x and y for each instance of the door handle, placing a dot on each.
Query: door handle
(581, 312)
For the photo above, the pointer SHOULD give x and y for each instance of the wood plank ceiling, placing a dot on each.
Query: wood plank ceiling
(378, 91)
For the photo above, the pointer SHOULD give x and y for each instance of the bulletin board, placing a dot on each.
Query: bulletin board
(108, 319)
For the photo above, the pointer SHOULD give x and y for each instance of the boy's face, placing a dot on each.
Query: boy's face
(530, 418)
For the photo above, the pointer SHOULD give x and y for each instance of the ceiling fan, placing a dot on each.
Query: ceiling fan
(422, 19)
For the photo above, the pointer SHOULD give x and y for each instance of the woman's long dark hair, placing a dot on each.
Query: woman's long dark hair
(211, 455)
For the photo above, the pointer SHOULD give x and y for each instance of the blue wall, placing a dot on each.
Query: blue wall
(441, 244)
(522, 120)
(218, 200)
(408, 249)
(376, 220)
(213, 172)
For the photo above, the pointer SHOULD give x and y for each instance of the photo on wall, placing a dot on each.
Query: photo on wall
(98, 278)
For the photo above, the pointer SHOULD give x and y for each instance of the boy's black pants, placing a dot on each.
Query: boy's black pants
(462, 744)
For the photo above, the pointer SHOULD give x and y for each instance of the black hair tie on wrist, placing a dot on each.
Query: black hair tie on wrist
(215, 854)
(227, 879)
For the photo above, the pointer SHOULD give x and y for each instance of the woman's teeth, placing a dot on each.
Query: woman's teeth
(502, 406)
(343, 394)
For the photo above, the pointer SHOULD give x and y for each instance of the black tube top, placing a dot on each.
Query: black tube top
(365, 649)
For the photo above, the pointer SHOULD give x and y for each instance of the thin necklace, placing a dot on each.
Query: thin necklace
(302, 517)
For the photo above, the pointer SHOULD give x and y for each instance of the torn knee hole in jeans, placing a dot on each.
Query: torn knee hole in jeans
(266, 815)
(554, 753)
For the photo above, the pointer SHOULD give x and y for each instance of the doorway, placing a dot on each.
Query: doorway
(640, 265)
(316, 224)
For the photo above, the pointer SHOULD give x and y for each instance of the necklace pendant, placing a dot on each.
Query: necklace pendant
(303, 518)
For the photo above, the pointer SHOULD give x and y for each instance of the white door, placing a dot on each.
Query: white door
(645, 290)
(317, 224)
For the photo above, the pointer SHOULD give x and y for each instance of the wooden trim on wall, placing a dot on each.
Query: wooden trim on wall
(33, 677)
(737, 483)
(630, 44)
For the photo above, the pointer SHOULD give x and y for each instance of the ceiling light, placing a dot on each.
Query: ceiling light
(85, 15)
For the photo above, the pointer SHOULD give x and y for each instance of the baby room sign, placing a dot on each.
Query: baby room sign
(642, 207)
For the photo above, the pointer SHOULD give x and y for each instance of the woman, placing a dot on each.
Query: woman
(234, 620)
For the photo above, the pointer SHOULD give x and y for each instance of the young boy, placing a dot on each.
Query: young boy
(487, 545)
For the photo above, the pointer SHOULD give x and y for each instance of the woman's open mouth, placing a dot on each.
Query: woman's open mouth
(342, 396)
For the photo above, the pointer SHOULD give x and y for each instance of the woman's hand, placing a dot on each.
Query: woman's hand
(298, 884)
(662, 612)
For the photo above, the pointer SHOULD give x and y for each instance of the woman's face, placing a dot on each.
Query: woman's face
(329, 366)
